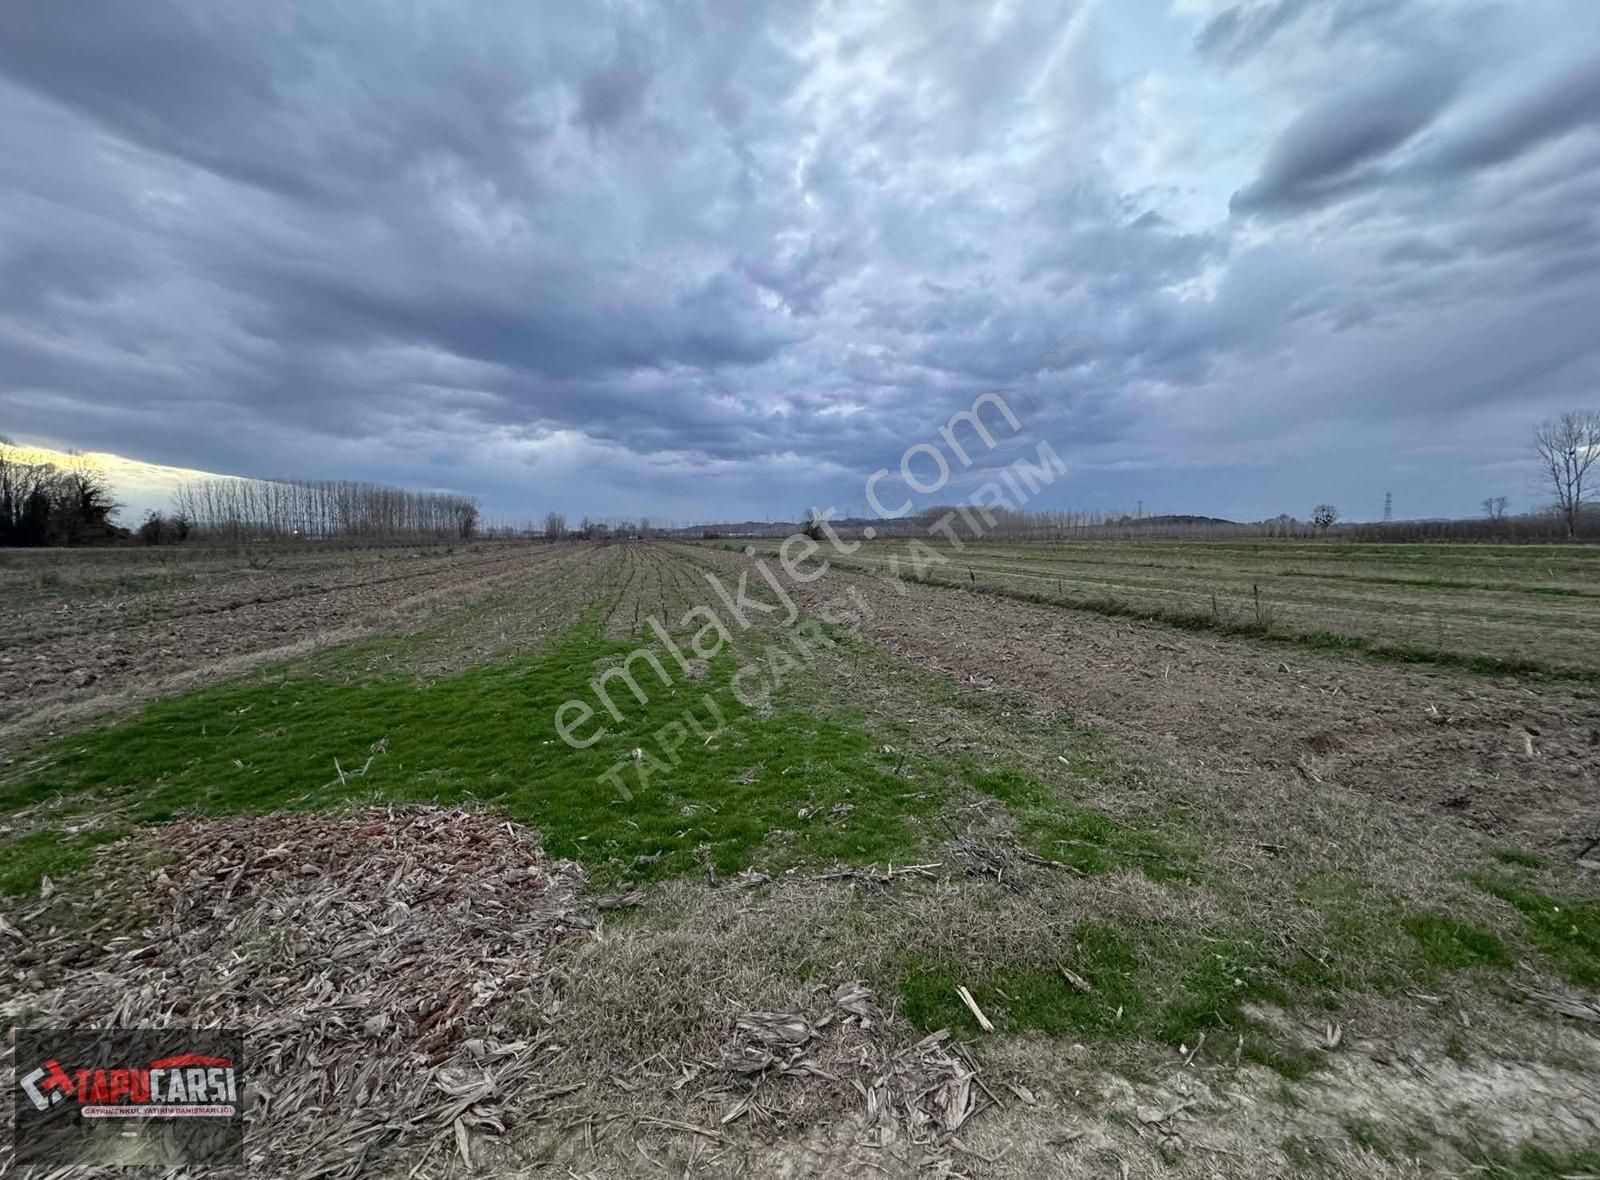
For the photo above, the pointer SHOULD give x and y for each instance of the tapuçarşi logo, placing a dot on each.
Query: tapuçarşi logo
(141, 1096)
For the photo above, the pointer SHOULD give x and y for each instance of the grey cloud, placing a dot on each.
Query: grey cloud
(1419, 251)
(1256, 27)
(1548, 111)
(615, 91)
(1243, 29)
(98, 60)
(1556, 232)
(707, 255)
(1325, 153)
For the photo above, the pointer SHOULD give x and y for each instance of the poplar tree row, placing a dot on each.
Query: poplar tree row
(232, 509)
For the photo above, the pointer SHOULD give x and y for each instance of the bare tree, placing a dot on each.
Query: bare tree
(84, 505)
(24, 499)
(42, 504)
(555, 525)
(1324, 516)
(252, 509)
(1494, 507)
(1567, 447)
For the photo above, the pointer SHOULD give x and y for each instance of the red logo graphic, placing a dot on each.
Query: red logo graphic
(54, 1087)
(187, 1085)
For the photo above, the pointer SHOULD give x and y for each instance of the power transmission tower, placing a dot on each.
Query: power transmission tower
(1388, 507)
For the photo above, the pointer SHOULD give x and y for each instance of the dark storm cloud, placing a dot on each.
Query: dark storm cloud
(1548, 110)
(700, 257)
(1328, 151)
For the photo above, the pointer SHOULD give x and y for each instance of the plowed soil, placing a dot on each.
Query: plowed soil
(81, 655)
(1507, 756)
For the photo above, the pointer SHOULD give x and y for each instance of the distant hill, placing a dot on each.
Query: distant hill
(852, 525)
(1177, 519)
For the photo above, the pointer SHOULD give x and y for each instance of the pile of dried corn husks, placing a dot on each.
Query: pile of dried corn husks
(376, 961)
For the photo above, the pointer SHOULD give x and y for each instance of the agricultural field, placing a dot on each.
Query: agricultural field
(1031, 864)
(1499, 608)
(89, 630)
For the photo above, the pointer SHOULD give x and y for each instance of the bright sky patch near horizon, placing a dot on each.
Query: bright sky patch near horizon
(139, 487)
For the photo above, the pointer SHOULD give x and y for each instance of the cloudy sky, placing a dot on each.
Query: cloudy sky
(723, 259)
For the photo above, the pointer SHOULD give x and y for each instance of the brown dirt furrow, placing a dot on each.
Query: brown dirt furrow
(240, 589)
(73, 675)
(1508, 756)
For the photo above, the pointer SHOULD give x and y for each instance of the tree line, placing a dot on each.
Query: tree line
(46, 504)
(43, 504)
(233, 509)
